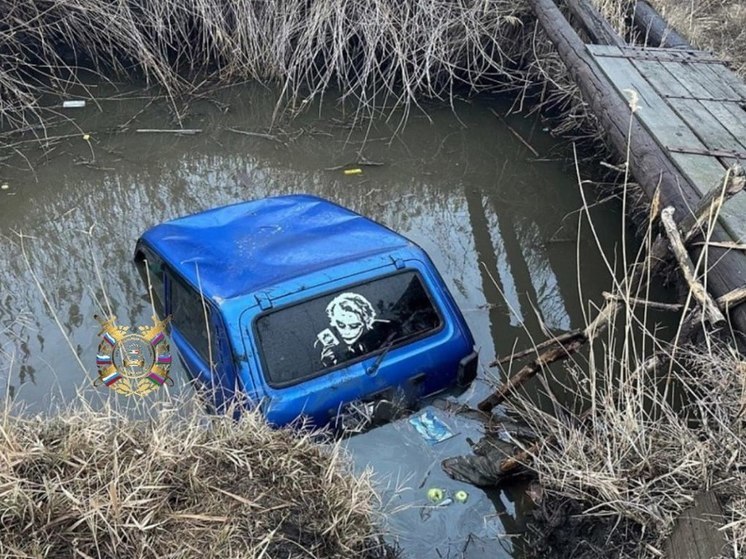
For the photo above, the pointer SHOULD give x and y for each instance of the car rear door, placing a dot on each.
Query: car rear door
(354, 342)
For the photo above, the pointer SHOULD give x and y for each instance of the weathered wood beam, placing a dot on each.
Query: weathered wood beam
(651, 166)
(698, 291)
(594, 24)
(656, 31)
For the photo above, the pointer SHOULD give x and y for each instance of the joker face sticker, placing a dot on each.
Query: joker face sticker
(350, 315)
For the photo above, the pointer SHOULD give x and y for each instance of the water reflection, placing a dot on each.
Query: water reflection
(460, 186)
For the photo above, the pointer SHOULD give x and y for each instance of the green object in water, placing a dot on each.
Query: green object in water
(435, 494)
(461, 496)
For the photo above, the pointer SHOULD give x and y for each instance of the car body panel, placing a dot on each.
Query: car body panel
(254, 258)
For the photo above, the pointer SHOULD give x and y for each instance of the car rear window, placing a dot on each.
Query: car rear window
(308, 338)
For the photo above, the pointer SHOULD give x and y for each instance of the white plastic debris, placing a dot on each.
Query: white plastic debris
(74, 104)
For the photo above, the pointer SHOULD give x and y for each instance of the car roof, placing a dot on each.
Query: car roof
(249, 246)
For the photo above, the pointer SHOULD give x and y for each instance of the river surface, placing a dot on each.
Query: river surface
(499, 221)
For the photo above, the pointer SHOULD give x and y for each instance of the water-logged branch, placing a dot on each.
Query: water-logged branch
(698, 291)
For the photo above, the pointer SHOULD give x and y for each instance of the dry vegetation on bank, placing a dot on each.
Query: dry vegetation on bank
(379, 51)
(97, 484)
(644, 423)
(716, 25)
(641, 441)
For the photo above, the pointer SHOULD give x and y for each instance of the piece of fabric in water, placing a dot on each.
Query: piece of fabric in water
(430, 427)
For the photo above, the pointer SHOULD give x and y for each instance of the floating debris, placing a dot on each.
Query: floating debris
(435, 495)
(356, 171)
(461, 496)
(185, 131)
(432, 429)
(73, 104)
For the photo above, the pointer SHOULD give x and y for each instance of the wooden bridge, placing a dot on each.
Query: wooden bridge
(680, 115)
(693, 106)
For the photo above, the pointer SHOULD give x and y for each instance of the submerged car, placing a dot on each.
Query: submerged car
(299, 306)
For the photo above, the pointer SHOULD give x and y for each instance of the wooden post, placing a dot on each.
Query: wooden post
(599, 30)
(648, 162)
(655, 29)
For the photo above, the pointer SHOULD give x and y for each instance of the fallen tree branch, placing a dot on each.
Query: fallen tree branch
(562, 338)
(735, 297)
(711, 310)
(674, 307)
(722, 244)
(565, 350)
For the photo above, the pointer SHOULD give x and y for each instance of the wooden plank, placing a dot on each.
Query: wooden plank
(695, 534)
(659, 54)
(731, 115)
(715, 83)
(715, 124)
(663, 122)
(661, 79)
(730, 78)
(701, 77)
(707, 128)
(732, 118)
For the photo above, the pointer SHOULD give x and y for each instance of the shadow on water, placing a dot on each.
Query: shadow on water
(499, 222)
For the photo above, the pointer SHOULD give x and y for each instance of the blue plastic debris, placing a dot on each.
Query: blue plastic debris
(432, 429)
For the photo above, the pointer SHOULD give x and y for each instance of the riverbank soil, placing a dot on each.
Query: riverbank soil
(559, 529)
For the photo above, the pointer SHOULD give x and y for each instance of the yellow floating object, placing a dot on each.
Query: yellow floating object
(461, 496)
(435, 494)
(86, 137)
(355, 171)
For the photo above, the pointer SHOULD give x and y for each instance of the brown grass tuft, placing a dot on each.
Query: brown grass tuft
(97, 484)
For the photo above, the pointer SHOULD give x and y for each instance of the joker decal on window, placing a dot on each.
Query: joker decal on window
(352, 320)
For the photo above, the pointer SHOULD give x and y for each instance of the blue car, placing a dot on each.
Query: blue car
(301, 307)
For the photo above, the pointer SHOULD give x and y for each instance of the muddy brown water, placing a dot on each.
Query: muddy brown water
(500, 223)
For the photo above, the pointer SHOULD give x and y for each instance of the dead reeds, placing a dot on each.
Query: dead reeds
(91, 483)
(379, 53)
(644, 423)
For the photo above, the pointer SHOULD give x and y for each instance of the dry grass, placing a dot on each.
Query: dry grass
(97, 484)
(379, 53)
(650, 421)
(717, 25)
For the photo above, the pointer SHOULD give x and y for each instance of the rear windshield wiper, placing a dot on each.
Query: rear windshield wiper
(373, 369)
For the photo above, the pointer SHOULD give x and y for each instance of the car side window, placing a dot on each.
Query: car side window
(306, 339)
(151, 271)
(191, 318)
